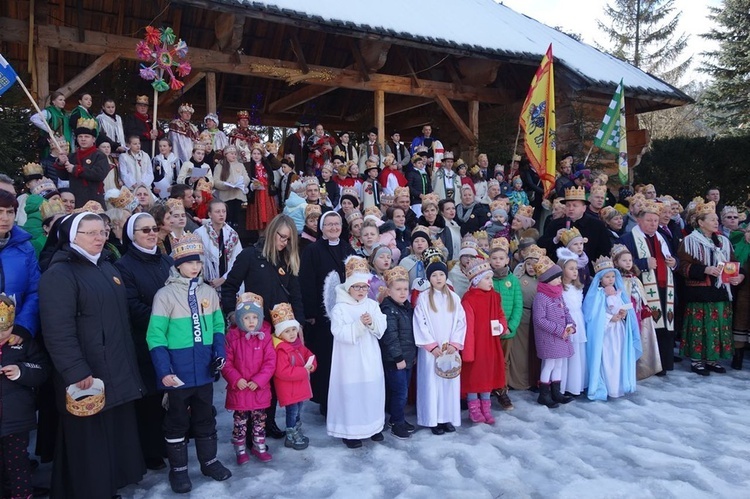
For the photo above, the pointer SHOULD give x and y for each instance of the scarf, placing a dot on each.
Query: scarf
(58, 123)
(463, 213)
(650, 279)
(501, 273)
(548, 290)
(228, 245)
(705, 251)
(195, 312)
(583, 260)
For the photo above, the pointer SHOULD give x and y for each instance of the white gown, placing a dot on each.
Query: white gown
(438, 399)
(574, 372)
(356, 397)
(612, 347)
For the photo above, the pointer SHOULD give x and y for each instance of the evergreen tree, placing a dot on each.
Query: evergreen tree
(644, 33)
(727, 99)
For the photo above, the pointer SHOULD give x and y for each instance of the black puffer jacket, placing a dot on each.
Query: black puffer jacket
(84, 312)
(397, 343)
(17, 405)
(143, 275)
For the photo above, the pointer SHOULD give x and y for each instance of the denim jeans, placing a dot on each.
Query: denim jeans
(292, 414)
(397, 387)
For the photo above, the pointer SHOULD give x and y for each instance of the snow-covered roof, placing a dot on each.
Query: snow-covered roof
(476, 26)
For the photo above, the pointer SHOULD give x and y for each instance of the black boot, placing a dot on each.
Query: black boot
(210, 465)
(557, 395)
(178, 467)
(739, 355)
(545, 396)
(272, 429)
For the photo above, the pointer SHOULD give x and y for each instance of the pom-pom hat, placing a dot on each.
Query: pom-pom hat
(433, 261)
(282, 317)
(187, 249)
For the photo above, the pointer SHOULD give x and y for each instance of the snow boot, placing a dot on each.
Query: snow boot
(298, 427)
(260, 449)
(737, 358)
(503, 399)
(240, 451)
(295, 439)
(557, 395)
(545, 396)
(273, 430)
(486, 407)
(178, 467)
(206, 448)
(475, 411)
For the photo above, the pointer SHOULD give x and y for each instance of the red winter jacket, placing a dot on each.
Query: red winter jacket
(292, 381)
(251, 359)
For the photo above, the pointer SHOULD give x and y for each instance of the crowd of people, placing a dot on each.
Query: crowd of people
(363, 277)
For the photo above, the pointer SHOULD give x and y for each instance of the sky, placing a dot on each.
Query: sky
(580, 16)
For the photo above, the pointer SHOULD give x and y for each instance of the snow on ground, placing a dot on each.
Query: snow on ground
(682, 436)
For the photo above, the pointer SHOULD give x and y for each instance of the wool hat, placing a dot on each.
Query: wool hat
(350, 193)
(282, 317)
(187, 249)
(248, 303)
(432, 258)
(357, 271)
(547, 270)
(421, 231)
(377, 250)
(211, 116)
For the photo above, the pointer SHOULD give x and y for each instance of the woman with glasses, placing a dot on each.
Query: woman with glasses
(144, 271)
(269, 269)
(83, 307)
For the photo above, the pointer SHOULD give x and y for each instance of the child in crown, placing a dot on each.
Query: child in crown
(574, 241)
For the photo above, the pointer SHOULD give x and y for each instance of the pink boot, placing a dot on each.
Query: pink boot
(475, 412)
(240, 452)
(260, 450)
(487, 411)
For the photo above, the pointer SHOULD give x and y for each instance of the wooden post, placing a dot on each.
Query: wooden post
(210, 92)
(42, 73)
(474, 125)
(380, 114)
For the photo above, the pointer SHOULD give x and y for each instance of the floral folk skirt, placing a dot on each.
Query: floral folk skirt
(707, 331)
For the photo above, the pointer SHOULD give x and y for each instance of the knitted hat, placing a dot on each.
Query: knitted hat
(187, 249)
(397, 273)
(421, 231)
(211, 116)
(282, 317)
(477, 270)
(248, 303)
(351, 194)
(357, 271)
(377, 250)
(432, 258)
(546, 270)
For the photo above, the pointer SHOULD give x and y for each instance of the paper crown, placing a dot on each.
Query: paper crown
(249, 297)
(617, 250)
(199, 146)
(397, 273)
(354, 215)
(575, 194)
(493, 182)
(469, 241)
(481, 234)
(204, 185)
(44, 185)
(185, 108)
(421, 149)
(702, 209)
(175, 204)
(7, 312)
(387, 199)
(350, 192)
(90, 206)
(525, 211)
(82, 403)
(85, 124)
(603, 263)
(543, 265)
(313, 210)
(608, 213)
(428, 199)
(51, 208)
(119, 199)
(477, 267)
(448, 155)
(32, 171)
(243, 114)
(298, 186)
(567, 236)
(635, 198)
(342, 170)
(499, 243)
(650, 206)
(141, 99)
(599, 189)
(282, 312)
(189, 247)
(356, 265)
(534, 252)
(474, 170)
(373, 210)
(401, 192)
(499, 204)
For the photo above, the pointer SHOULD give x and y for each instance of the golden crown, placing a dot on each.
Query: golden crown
(90, 206)
(430, 198)
(282, 312)
(499, 204)
(567, 236)
(650, 206)
(204, 185)
(476, 267)
(608, 213)
(373, 210)
(51, 208)
(87, 123)
(397, 273)
(534, 252)
(387, 199)
(401, 192)
(354, 215)
(420, 228)
(603, 263)
(313, 210)
(474, 170)
(185, 108)
(499, 243)
(575, 194)
(481, 234)
(349, 191)
(617, 250)
(635, 198)
(199, 146)
(702, 209)
(30, 169)
(249, 297)
(189, 245)
(88, 405)
(44, 185)
(432, 255)
(543, 265)
(314, 181)
(525, 211)
(469, 241)
(343, 170)
(141, 99)
(123, 199)
(356, 265)
(243, 114)
(175, 204)
(7, 312)
(599, 189)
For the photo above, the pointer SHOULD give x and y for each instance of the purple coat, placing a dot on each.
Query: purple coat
(251, 359)
(550, 316)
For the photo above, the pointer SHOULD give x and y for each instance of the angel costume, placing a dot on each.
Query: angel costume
(574, 376)
(356, 394)
(438, 399)
(612, 347)
(650, 361)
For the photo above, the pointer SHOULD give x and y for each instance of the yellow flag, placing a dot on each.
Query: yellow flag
(538, 122)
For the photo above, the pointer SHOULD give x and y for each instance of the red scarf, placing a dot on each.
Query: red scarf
(548, 290)
(402, 182)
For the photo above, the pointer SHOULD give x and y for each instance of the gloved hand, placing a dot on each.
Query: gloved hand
(216, 366)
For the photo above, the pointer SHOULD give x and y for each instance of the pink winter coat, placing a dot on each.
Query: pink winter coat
(292, 381)
(252, 359)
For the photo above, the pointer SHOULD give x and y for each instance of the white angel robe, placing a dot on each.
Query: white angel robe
(574, 371)
(356, 396)
(438, 399)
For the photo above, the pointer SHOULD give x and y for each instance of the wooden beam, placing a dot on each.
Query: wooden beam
(211, 92)
(89, 73)
(12, 30)
(358, 59)
(409, 68)
(454, 118)
(298, 53)
(41, 56)
(452, 72)
(404, 104)
(473, 125)
(171, 96)
(176, 19)
(298, 97)
(380, 114)
(229, 29)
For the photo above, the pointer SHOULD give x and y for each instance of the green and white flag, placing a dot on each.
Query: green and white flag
(612, 135)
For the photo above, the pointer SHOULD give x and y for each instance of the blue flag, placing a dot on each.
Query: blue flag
(7, 75)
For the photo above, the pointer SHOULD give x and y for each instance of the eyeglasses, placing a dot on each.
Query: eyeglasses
(149, 230)
(360, 287)
(94, 233)
(332, 224)
(284, 238)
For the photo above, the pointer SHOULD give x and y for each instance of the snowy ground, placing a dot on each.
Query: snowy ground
(682, 436)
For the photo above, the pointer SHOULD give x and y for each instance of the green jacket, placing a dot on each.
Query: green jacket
(33, 223)
(511, 299)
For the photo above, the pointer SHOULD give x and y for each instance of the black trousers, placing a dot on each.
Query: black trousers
(200, 419)
(665, 338)
(234, 213)
(150, 416)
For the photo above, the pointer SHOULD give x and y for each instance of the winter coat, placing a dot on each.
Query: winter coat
(174, 346)
(418, 185)
(483, 357)
(275, 284)
(397, 343)
(550, 316)
(87, 178)
(19, 278)
(480, 215)
(34, 221)
(511, 299)
(17, 400)
(84, 313)
(143, 275)
(291, 379)
(250, 358)
(598, 237)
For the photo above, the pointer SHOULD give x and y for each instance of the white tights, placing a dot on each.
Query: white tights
(551, 370)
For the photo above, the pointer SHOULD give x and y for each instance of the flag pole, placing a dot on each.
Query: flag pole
(587, 155)
(518, 135)
(33, 103)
